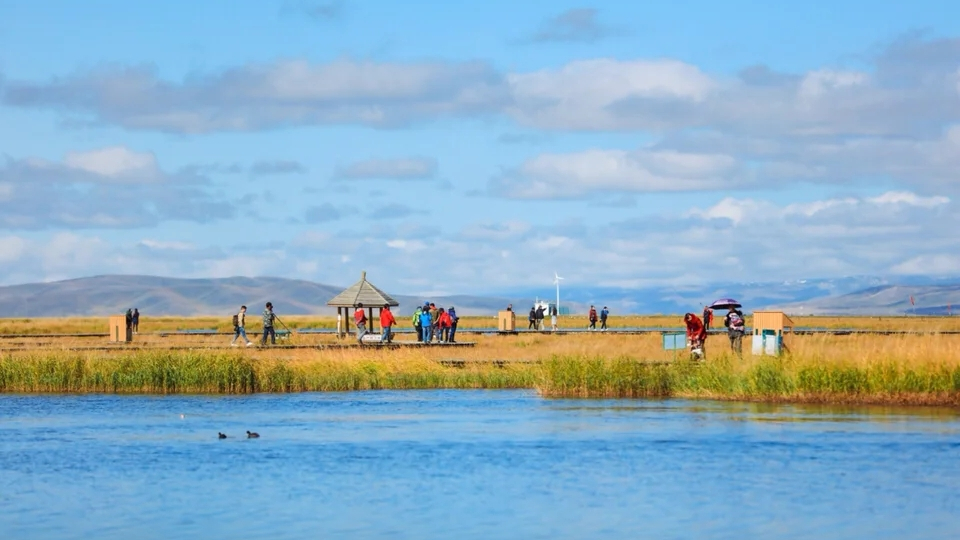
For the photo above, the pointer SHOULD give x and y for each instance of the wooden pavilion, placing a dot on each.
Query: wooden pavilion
(361, 292)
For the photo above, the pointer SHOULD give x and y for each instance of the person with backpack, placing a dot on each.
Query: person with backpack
(452, 313)
(604, 313)
(239, 321)
(736, 326)
(360, 318)
(426, 325)
(592, 316)
(268, 319)
(136, 321)
(532, 317)
(443, 324)
(386, 322)
(415, 321)
(434, 322)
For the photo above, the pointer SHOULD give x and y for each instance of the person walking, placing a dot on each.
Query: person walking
(443, 324)
(539, 318)
(386, 323)
(268, 318)
(360, 318)
(136, 321)
(736, 325)
(426, 326)
(452, 313)
(415, 321)
(553, 318)
(604, 313)
(592, 316)
(532, 318)
(239, 322)
(707, 318)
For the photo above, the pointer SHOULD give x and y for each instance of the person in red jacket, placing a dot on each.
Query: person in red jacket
(696, 335)
(386, 324)
(444, 322)
(593, 318)
(361, 319)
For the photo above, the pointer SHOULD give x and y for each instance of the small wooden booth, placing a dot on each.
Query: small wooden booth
(507, 321)
(361, 292)
(119, 331)
(768, 330)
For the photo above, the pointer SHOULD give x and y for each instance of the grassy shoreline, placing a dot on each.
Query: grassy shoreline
(568, 376)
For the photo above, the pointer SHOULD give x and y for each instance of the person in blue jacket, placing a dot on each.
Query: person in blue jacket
(427, 325)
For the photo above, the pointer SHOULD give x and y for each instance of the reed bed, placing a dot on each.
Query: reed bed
(211, 372)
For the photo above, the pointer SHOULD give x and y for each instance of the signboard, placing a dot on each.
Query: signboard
(674, 340)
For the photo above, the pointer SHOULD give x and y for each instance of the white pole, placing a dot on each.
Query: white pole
(558, 297)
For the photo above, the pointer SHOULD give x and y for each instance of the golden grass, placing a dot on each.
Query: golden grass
(919, 369)
(148, 324)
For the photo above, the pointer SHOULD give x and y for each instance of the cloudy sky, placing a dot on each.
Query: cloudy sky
(480, 147)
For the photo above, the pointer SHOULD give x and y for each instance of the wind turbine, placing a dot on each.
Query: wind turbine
(556, 281)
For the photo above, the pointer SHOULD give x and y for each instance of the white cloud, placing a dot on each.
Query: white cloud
(113, 162)
(578, 174)
(167, 245)
(415, 168)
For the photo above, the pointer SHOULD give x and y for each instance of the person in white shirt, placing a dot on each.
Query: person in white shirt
(239, 320)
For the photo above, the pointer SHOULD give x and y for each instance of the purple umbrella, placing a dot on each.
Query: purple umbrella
(725, 303)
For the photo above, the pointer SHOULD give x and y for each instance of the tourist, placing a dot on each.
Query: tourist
(539, 317)
(268, 318)
(604, 313)
(361, 319)
(696, 335)
(239, 323)
(434, 322)
(443, 326)
(426, 325)
(452, 313)
(532, 318)
(736, 325)
(415, 321)
(553, 318)
(129, 320)
(707, 317)
(136, 321)
(593, 318)
(386, 322)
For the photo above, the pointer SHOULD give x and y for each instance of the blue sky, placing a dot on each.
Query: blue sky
(479, 147)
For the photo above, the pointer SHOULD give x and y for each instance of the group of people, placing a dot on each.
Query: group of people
(387, 322)
(593, 317)
(433, 323)
(133, 320)
(240, 323)
(697, 329)
(536, 317)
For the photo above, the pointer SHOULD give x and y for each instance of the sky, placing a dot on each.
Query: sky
(482, 146)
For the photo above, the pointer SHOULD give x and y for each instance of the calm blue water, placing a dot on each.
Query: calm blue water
(471, 464)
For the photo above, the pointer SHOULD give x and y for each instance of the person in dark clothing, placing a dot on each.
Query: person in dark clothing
(540, 318)
(129, 319)
(532, 317)
(604, 313)
(268, 318)
(136, 321)
(593, 318)
(452, 313)
(707, 318)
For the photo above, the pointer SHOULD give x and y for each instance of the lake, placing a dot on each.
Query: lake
(471, 464)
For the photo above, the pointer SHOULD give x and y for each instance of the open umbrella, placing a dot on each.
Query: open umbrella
(725, 303)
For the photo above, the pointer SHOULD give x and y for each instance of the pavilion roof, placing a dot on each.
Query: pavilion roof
(362, 292)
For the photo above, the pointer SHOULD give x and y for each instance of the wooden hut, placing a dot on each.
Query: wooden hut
(361, 292)
(768, 330)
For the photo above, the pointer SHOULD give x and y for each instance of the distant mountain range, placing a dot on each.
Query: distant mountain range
(102, 295)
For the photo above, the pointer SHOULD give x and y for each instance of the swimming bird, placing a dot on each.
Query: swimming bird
(221, 435)
(252, 435)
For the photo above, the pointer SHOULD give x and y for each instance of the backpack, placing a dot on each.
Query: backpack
(236, 320)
